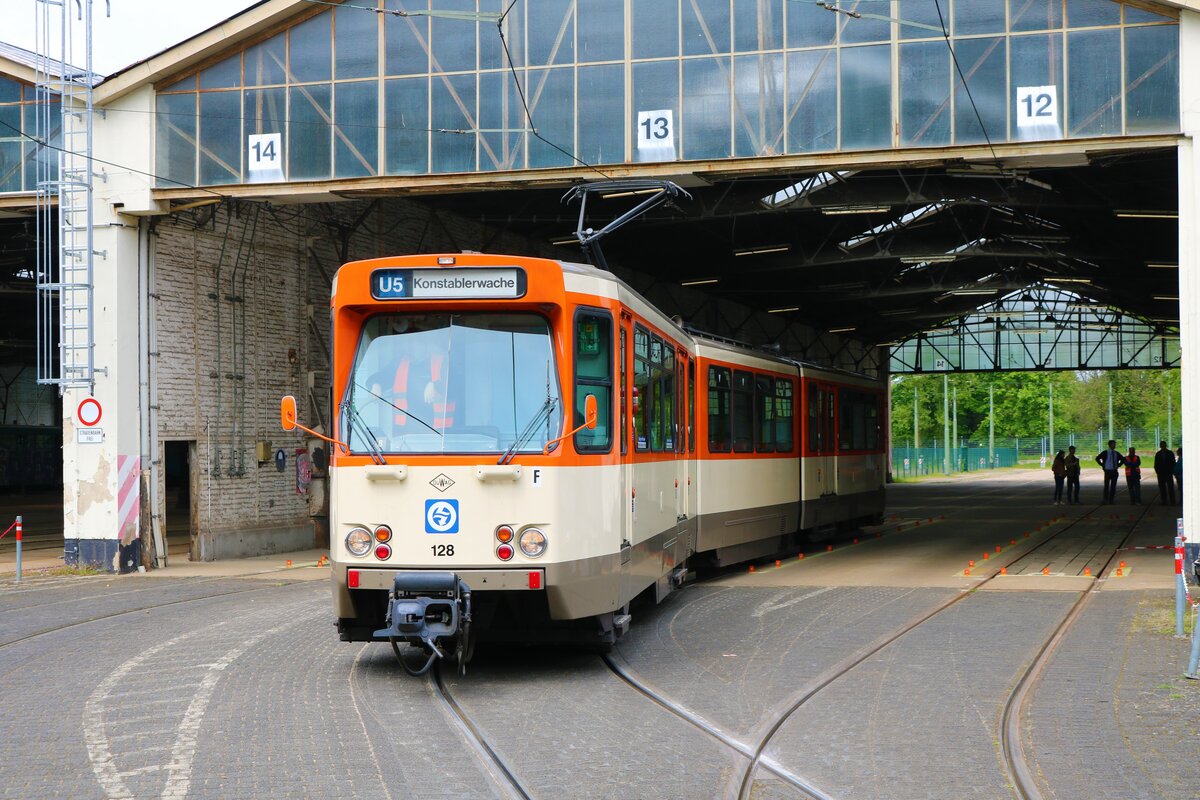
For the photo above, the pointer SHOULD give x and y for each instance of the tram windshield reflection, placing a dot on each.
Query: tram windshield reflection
(451, 383)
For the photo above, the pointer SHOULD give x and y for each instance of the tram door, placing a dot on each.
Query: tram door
(682, 428)
(821, 418)
(626, 436)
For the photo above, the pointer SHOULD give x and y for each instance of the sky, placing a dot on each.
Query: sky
(136, 30)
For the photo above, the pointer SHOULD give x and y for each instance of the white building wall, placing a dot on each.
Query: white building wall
(1189, 260)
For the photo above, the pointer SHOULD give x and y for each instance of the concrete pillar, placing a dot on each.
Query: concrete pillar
(1189, 260)
(102, 481)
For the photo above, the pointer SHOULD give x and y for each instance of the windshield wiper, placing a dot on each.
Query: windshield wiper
(527, 433)
(356, 424)
(401, 410)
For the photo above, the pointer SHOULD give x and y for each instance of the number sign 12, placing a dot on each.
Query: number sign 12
(1037, 106)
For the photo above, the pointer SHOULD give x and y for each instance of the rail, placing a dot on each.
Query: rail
(1018, 771)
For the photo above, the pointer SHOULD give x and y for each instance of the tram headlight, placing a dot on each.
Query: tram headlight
(359, 541)
(532, 542)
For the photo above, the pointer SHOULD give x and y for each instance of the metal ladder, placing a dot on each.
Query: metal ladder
(65, 275)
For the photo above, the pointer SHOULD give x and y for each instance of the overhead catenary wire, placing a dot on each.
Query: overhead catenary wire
(469, 16)
(135, 171)
(525, 106)
(232, 118)
(963, 78)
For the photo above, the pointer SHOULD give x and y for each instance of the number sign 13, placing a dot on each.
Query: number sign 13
(656, 130)
(1037, 106)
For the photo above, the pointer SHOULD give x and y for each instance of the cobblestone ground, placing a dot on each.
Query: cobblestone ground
(239, 688)
(1113, 717)
(569, 728)
(53, 603)
(921, 717)
(95, 710)
(736, 656)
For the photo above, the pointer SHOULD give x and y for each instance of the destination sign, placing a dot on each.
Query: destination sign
(446, 284)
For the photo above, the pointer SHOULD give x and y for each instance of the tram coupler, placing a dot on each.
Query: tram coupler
(426, 607)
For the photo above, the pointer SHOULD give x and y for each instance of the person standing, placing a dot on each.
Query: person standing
(1059, 468)
(1110, 461)
(1179, 472)
(1133, 477)
(1164, 470)
(1071, 462)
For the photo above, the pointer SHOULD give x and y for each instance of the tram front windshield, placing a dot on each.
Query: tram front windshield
(452, 383)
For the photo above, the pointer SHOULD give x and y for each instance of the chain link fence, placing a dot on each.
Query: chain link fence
(969, 455)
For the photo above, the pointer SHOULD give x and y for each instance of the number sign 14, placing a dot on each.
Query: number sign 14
(264, 157)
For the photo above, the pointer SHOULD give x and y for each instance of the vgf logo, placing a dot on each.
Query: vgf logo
(441, 516)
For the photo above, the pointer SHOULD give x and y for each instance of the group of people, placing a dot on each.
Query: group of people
(1168, 468)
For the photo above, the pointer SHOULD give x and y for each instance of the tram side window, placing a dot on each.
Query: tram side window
(691, 409)
(668, 398)
(719, 379)
(874, 422)
(655, 421)
(815, 417)
(859, 421)
(831, 413)
(743, 412)
(624, 419)
(593, 375)
(764, 414)
(783, 415)
(641, 388)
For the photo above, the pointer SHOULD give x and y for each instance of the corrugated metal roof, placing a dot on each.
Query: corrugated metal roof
(21, 56)
(18, 54)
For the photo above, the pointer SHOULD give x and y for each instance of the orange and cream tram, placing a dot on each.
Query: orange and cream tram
(527, 445)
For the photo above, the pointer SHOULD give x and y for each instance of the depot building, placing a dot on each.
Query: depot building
(852, 180)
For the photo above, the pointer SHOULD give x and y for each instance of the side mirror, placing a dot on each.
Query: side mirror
(287, 412)
(590, 413)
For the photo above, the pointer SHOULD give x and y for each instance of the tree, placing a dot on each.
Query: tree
(1022, 403)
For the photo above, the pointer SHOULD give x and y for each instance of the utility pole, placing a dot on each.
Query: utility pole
(956, 453)
(1170, 431)
(991, 426)
(1052, 450)
(916, 422)
(1110, 424)
(946, 420)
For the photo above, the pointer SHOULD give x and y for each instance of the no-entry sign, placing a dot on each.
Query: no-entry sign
(89, 412)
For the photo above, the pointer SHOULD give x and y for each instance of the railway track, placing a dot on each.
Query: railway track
(126, 612)
(479, 741)
(1019, 772)
(753, 751)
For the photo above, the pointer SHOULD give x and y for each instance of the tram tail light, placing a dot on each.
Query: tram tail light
(504, 552)
(382, 552)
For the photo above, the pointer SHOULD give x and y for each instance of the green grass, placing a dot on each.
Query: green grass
(1157, 615)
